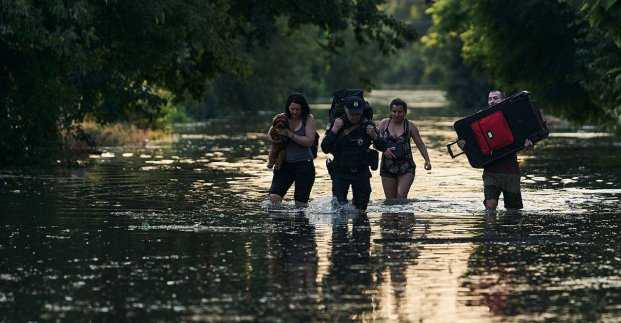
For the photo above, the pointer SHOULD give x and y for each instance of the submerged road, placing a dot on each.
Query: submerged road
(179, 232)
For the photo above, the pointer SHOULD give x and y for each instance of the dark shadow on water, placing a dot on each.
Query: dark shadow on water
(349, 277)
(396, 253)
(179, 235)
(565, 266)
(292, 269)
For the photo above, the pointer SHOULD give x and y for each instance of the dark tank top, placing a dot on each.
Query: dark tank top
(296, 152)
(403, 150)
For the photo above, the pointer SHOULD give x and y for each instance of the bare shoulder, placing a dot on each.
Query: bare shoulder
(310, 121)
(413, 129)
(383, 122)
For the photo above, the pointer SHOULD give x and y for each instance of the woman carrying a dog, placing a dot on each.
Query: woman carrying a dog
(397, 167)
(298, 166)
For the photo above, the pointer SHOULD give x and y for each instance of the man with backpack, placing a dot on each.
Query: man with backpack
(348, 139)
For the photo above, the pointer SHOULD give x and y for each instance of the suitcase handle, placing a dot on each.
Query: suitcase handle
(451, 150)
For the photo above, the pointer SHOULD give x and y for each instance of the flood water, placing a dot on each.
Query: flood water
(179, 232)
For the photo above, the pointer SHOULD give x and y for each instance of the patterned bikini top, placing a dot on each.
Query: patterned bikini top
(401, 143)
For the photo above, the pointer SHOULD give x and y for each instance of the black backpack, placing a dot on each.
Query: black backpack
(337, 108)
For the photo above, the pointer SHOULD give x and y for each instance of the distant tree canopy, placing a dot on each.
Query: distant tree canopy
(567, 52)
(295, 60)
(62, 60)
(117, 60)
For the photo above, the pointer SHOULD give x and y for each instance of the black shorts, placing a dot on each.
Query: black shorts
(302, 173)
(394, 168)
(507, 184)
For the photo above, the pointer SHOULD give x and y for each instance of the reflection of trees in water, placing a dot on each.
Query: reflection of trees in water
(355, 276)
(293, 269)
(567, 267)
(349, 277)
(396, 253)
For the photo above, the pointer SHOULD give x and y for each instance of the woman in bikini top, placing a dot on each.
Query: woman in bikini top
(397, 167)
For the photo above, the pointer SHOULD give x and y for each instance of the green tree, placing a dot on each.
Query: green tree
(604, 15)
(546, 47)
(292, 60)
(62, 60)
(466, 85)
(603, 62)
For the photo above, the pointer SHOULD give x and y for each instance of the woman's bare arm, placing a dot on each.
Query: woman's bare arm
(415, 134)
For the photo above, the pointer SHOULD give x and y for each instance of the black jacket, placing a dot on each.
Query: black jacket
(349, 148)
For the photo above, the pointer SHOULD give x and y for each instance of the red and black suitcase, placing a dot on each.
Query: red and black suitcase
(492, 132)
(499, 130)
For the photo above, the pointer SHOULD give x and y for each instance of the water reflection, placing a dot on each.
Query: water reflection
(176, 232)
(293, 267)
(349, 279)
(558, 265)
(395, 254)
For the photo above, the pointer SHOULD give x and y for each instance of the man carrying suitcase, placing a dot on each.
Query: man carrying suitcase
(503, 175)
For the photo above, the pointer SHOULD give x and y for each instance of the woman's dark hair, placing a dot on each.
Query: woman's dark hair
(398, 102)
(301, 100)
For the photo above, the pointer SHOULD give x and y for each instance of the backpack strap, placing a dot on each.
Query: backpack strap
(408, 139)
(407, 129)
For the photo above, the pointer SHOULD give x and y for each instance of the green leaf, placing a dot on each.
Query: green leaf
(614, 71)
(609, 3)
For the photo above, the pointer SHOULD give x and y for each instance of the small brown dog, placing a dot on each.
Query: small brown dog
(279, 142)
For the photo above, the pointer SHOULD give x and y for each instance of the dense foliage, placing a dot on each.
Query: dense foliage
(567, 53)
(148, 63)
(297, 60)
(110, 59)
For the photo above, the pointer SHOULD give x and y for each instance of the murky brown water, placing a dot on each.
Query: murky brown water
(178, 232)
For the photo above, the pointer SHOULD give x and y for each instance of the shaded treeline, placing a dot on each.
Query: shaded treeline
(113, 60)
(567, 53)
(297, 60)
(152, 62)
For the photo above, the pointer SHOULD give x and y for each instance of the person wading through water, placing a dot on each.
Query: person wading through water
(348, 140)
(298, 166)
(397, 167)
(503, 175)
